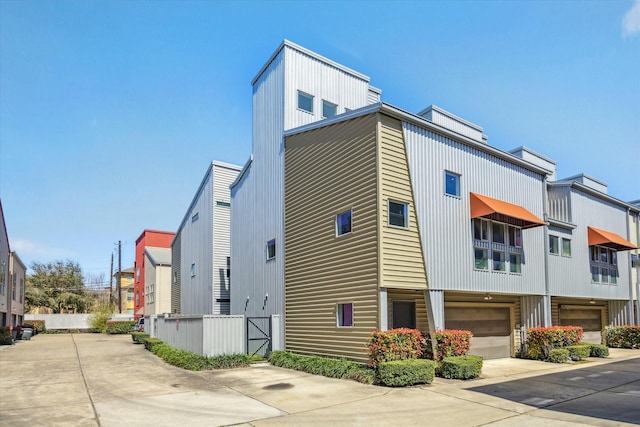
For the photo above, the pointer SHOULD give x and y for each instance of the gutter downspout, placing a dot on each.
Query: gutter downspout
(630, 302)
(637, 271)
(547, 296)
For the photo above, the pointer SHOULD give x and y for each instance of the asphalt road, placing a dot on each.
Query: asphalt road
(102, 380)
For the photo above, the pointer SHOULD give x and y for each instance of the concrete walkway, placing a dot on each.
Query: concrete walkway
(101, 380)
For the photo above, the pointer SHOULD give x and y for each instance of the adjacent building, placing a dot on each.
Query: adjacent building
(155, 238)
(200, 250)
(12, 280)
(126, 278)
(157, 280)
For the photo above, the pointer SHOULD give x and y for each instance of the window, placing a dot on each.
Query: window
(481, 229)
(138, 274)
(553, 245)
(481, 259)
(498, 261)
(129, 295)
(193, 270)
(452, 184)
(2, 278)
(305, 102)
(228, 267)
(515, 263)
(328, 109)
(343, 223)
(137, 298)
(223, 204)
(271, 249)
(399, 214)
(566, 247)
(497, 233)
(515, 236)
(345, 314)
(604, 265)
(175, 277)
(21, 289)
(195, 217)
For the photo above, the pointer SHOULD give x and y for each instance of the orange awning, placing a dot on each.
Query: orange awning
(498, 210)
(609, 240)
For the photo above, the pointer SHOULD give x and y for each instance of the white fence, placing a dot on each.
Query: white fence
(61, 321)
(206, 335)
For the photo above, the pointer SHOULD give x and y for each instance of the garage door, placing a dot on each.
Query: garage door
(590, 318)
(491, 328)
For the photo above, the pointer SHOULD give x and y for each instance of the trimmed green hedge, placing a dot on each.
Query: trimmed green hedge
(461, 367)
(192, 361)
(333, 368)
(558, 355)
(139, 337)
(402, 373)
(623, 336)
(598, 350)
(120, 326)
(150, 343)
(578, 352)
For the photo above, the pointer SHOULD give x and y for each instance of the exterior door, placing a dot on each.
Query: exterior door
(404, 314)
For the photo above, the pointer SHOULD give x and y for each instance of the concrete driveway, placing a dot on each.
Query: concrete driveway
(101, 380)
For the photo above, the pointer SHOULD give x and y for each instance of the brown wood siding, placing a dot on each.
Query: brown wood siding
(327, 171)
(408, 295)
(402, 262)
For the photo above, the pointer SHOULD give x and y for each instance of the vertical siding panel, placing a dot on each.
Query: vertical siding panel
(176, 273)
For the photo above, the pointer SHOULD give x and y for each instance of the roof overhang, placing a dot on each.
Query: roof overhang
(608, 239)
(498, 210)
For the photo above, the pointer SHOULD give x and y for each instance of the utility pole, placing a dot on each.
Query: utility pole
(119, 276)
(111, 281)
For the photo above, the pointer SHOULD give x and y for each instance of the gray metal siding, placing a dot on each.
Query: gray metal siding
(532, 311)
(176, 250)
(445, 224)
(560, 203)
(571, 276)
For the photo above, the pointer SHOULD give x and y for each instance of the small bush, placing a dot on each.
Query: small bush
(623, 336)
(150, 343)
(402, 373)
(395, 344)
(540, 341)
(333, 368)
(461, 367)
(120, 326)
(139, 337)
(450, 343)
(578, 352)
(558, 355)
(99, 317)
(5, 335)
(38, 326)
(599, 350)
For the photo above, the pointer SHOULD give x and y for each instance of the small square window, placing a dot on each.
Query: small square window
(271, 249)
(305, 102)
(566, 247)
(452, 184)
(343, 223)
(345, 314)
(328, 109)
(399, 214)
(481, 258)
(498, 261)
(193, 270)
(515, 263)
(554, 245)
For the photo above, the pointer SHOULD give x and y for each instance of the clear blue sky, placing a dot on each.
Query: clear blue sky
(111, 111)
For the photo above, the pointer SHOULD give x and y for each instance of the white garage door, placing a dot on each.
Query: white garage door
(491, 328)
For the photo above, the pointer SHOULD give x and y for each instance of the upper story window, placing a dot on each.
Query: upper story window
(138, 274)
(328, 109)
(193, 270)
(305, 102)
(271, 249)
(223, 204)
(343, 223)
(399, 214)
(452, 184)
(554, 245)
(195, 217)
(498, 242)
(566, 247)
(604, 265)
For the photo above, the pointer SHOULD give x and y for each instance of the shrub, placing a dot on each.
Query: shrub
(395, 344)
(150, 343)
(450, 343)
(99, 317)
(139, 337)
(402, 373)
(599, 350)
(226, 361)
(333, 368)
(120, 326)
(38, 326)
(5, 335)
(558, 355)
(461, 367)
(540, 341)
(623, 336)
(578, 352)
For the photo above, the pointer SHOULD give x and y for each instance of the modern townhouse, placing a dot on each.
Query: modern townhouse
(294, 87)
(200, 282)
(17, 278)
(154, 238)
(13, 274)
(634, 237)
(157, 280)
(5, 252)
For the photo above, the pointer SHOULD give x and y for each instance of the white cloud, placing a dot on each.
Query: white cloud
(27, 249)
(631, 20)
